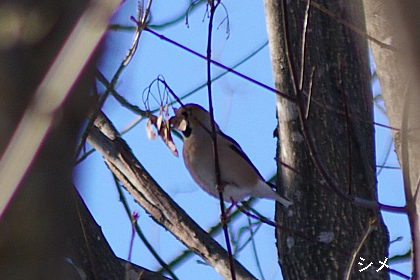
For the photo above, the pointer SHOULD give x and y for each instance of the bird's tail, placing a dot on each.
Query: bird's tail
(265, 191)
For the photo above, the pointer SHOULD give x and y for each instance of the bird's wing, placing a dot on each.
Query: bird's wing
(234, 146)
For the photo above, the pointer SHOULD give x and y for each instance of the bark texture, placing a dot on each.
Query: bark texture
(125, 166)
(397, 24)
(342, 143)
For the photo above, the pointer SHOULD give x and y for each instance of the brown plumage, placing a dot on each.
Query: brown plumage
(238, 175)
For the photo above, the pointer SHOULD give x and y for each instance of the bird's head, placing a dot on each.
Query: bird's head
(192, 117)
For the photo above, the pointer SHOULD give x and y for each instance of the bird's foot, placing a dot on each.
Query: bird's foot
(224, 219)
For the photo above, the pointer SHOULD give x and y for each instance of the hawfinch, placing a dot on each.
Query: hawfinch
(238, 176)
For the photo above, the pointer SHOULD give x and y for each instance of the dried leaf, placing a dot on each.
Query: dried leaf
(153, 118)
(149, 129)
(159, 121)
(164, 130)
(166, 135)
(172, 147)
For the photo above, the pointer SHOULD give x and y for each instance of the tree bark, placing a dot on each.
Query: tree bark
(327, 137)
(46, 232)
(121, 161)
(398, 66)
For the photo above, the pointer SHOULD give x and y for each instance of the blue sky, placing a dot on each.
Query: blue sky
(244, 111)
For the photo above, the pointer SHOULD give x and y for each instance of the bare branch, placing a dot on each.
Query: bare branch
(371, 227)
(212, 9)
(157, 203)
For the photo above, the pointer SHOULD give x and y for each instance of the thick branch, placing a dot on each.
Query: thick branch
(158, 204)
(397, 22)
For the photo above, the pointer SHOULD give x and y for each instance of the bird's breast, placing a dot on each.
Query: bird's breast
(199, 160)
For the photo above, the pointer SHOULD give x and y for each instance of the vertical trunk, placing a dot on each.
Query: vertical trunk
(343, 146)
(398, 66)
(41, 236)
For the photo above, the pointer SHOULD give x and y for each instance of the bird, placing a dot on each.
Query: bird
(239, 178)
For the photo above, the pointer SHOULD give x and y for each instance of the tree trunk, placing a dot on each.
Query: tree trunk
(46, 231)
(398, 66)
(330, 147)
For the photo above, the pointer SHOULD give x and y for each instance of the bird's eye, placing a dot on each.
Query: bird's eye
(185, 114)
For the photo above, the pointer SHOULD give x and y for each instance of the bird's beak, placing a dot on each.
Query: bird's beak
(178, 123)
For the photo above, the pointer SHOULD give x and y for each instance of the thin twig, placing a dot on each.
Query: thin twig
(139, 232)
(90, 118)
(351, 26)
(388, 167)
(140, 25)
(311, 82)
(387, 154)
(239, 74)
(133, 219)
(409, 196)
(311, 145)
(303, 49)
(236, 65)
(254, 248)
(372, 225)
(357, 200)
(309, 238)
(132, 125)
(212, 231)
(110, 88)
(416, 193)
(162, 37)
(157, 203)
(212, 8)
(133, 108)
(170, 90)
(287, 229)
(348, 126)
